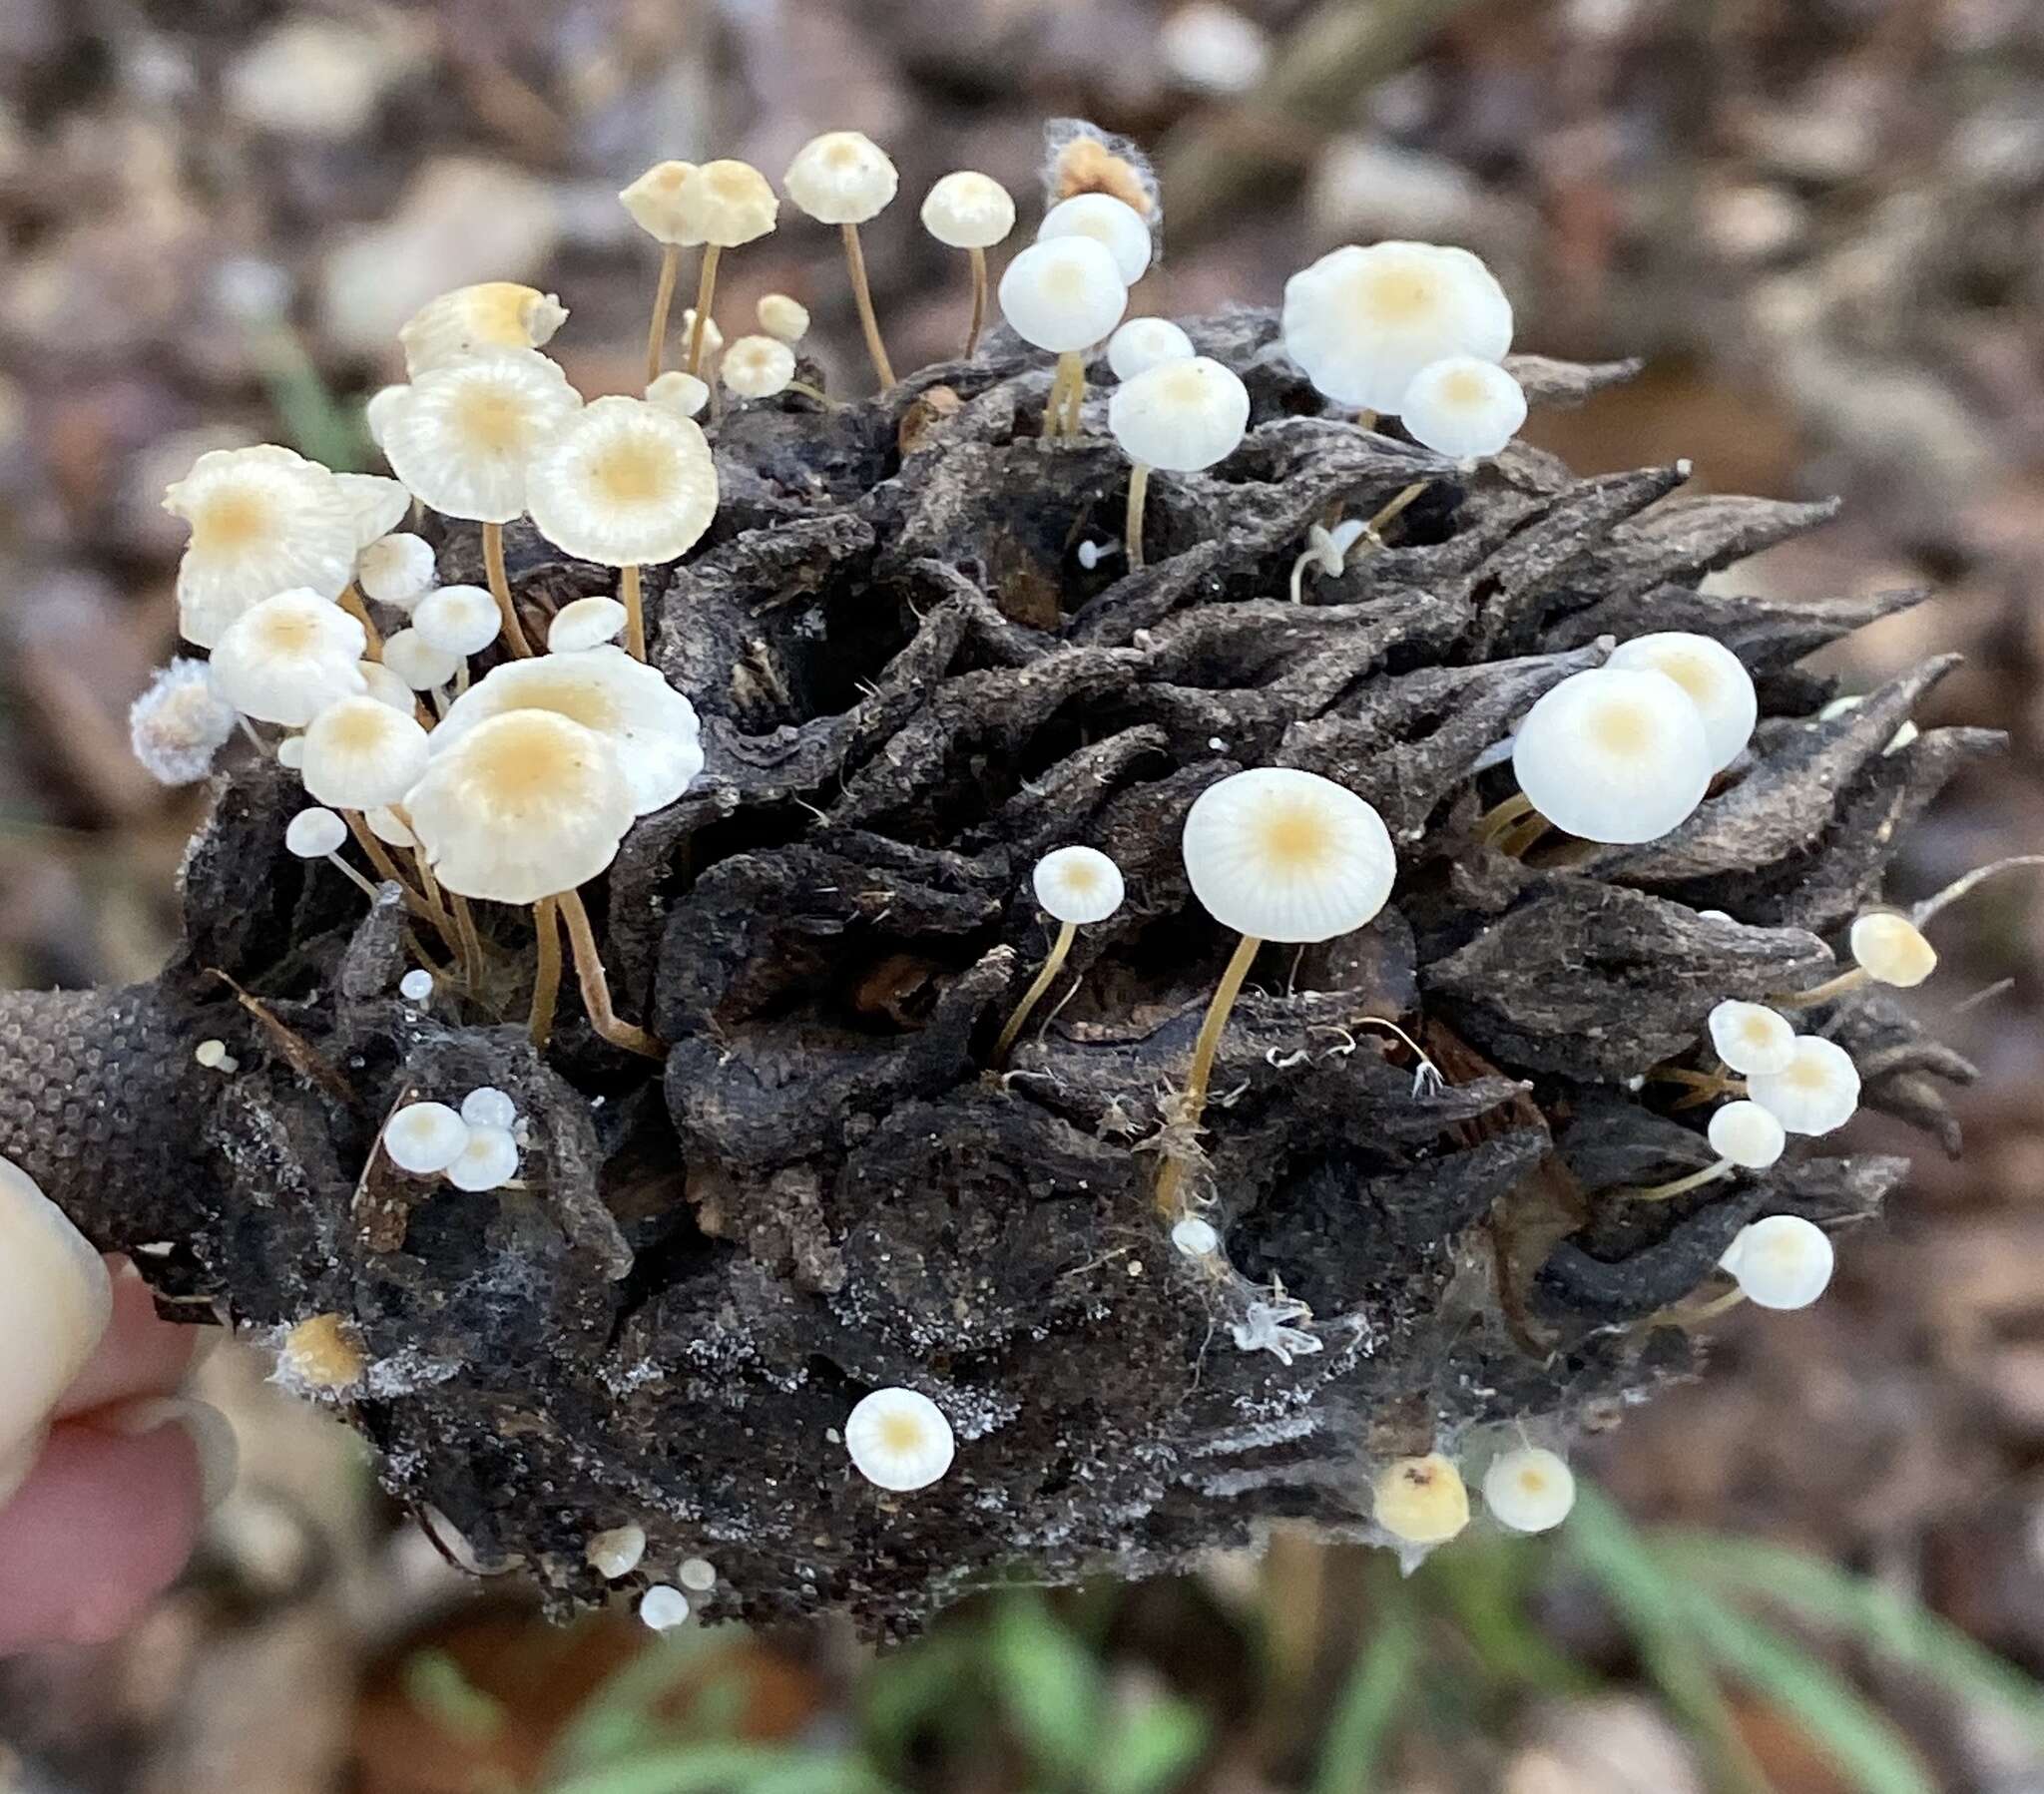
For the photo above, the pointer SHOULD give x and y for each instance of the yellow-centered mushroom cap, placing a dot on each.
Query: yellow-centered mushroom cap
(1421, 1501)
(1287, 855)
(968, 211)
(655, 203)
(624, 483)
(1892, 949)
(477, 320)
(841, 178)
(288, 658)
(728, 203)
(464, 434)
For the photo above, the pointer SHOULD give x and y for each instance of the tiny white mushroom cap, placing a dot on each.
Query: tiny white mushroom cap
(1113, 223)
(651, 726)
(1146, 343)
(1816, 1092)
(713, 338)
(1614, 754)
(841, 178)
(465, 433)
(1194, 1237)
(212, 1054)
(616, 1552)
(1781, 1261)
(1751, 1037)
(784, 316)
(1063, 295)
(1748, 1134)
(1464, 406)
(1892, 949)
(395, 569)
(1287, 855)
(55, 1291)
(1079, 884)
(1182, 416)
(728, 203)
(968, 211)
(528, 804)
(756, 367)
(624, 483)
(379, 505)
(409, 656)
(1421, 1501)
(315, 833)
(683, 394)
(488, 1106)
(487, 318)
(180, 723)
(361, 754)
(1530, 1490)
(488, 1160)
(899, 1439)
(1715, 678)
(288, 658)
(290, 752)
(585, 624)
(656, 202)
(458, 620)
(425, 1137)
(697, 1575)
(384, 825)
(1361, 322)
(416, 985)
(663, 1608)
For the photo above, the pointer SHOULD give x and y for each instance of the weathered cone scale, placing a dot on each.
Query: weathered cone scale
(911, 689)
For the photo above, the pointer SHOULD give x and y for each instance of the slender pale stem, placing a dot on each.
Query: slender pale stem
(1075, 397)
(662, 304)
(1848, 980)
(546, 983)
(1680, 1186)
(471, 940)
(1068, 932)
(635, 612)
(1054, 401)
(1139, 493)
(1518, 841)
(1299, 567)
(1392, 509)
(812, 393)
(978, 301)
(1500, 816)
(705, 290)
(350, 601)
(500, 590)
(1365, 419)
(352, 876)
(596, 986)
(863, 296)
(387, 868)
(1194, 1104)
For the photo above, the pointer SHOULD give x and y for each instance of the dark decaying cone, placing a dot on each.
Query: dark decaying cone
(911, 689)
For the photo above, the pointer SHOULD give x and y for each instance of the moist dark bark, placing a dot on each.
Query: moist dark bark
(911, 688)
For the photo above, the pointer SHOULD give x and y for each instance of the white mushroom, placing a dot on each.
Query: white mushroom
(1075, 885)
(458, 620)
(970, 211)
(756, 367)
(1183, 416)
(1615, 755)
(1064, 295)
(586, 623)
(846, 179)
(1464, 406)
(1715, 678)
(1781, 1261)
(1750, 1037)
(1529, 1489)
(899, 1439)
(1816, 1092)
(783, 316)
(290, 657)
(362, 756)
(1116, 226)
(395, 569)
(425, 1138)
(478, 321)
(1146, 343)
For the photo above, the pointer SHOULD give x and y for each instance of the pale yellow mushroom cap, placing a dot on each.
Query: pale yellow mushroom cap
(476, 320)
(624, 483)
(380, 504)
(1816, 1092)
(1146, 343)
(288, 658)
(899, 1439)
(1287, 855)
(756, 367)
(1113, 223)
(585, 624)
(1421, 1501)
(1750, 1037)
(458, 620)
(616, 1552)
(322, 1353)
(360, 754)
(841, 178)
(1892, 949)
(1616, 754)
(1781, 1261)
(464, 434)
(1464, 406)
(783, 316)
(651, 726)
(968, 211)
(1715, 678)
(1748, 1134)
(57, 1297)
(528, 805)
(1529, 1489)
(728, 203)
(655, 203)
(263, 521)
(1063, 295)
(683, 394)
(1182, 415)
(1078, 884)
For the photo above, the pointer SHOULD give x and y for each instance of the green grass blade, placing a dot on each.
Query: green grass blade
(1152, 1750)
(727, 1769)
(1050, 1687)
(1369, 1705)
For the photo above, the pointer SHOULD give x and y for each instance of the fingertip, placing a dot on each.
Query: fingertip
(139, 1354)
(56, 1300)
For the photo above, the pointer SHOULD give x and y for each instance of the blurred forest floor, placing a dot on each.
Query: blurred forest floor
(1821, 220)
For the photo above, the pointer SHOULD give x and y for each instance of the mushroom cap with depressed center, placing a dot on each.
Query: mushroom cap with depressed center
(585, 624)
(968, 211)
(425, 1137)
(525, 805)
(1421, 1501)
(1117, 228)
(395, 569)
(379, 505)
(1750, 1037)
(488, 1160)
(1715, 678)
(783, 316)
(756, 367)
(1464, 406)
(1892, 949)
(1063, 295)
(458, 620)
(1078, 884)
(623, 483)
(1146, 343)
(1748, 1134)
(478, 321)
(1816, 1092)
(841, 178)
(656, 204)
(363, 755)
(58, 1299)
(1530, 1490)
(1781, 1261)
(651, 726)
(1182, 416)
(728, 203)
(409, 656)
(1360, 323)
(465, 433)
(683, 394)
(899, 1439)
(315, 833)
(288, 658)
(1615, 755)
(264, 520)
(1286, 855)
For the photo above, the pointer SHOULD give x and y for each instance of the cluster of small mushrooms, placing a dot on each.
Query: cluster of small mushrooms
(331, 646)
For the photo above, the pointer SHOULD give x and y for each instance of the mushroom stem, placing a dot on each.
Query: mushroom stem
(811, 393)
(352, 876)
(856, 261)
(1060, 949)
(1054, 400)
(500, 590)
(1139, 493)
(1660, 1192)
(1365, 419)
(1500, 816)
(1518, 840)
(978, 301)
(1377, 524)
(1299, 567)
(1075, 397)
(705, 289)
(471, 943)
(635, 611)
(596, 986)
(546, 983)
(350, 601)
(1192, 1105)
(662, 304)
(1959, 887)
(1848, 980)
(387, 868)
(1684, 1316)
